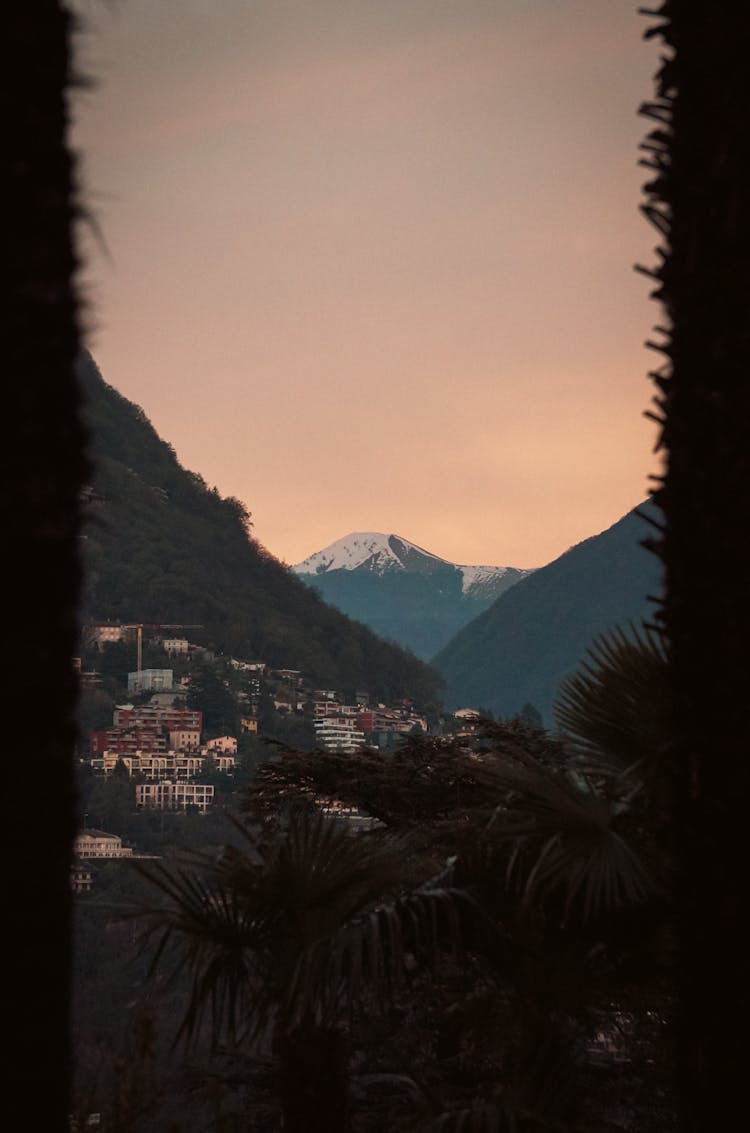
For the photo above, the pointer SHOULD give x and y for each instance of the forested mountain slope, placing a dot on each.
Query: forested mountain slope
(160, 546)
(535, 634)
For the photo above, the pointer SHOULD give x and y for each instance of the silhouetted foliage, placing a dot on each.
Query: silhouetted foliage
(697, 197)
(283, 939)
(43, 471)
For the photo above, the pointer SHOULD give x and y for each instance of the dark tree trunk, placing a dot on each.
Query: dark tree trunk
(700, 199)
(43, 470)
(314, 1081)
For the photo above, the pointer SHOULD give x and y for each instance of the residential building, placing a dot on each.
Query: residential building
(185, 739)
(103, 632)
(97, 844)
(227, 745)
(467, 721)
(168, 765)
(172, 766)
(167, 795)
(163, 715)
(390, 720)
(248, 666)
(106, 761)
(338, 735)
(175, 646)
(149, 727)
(128, 741)
(80, 878)
(324, 709)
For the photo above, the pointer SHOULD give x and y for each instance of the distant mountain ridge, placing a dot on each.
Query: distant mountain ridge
(376, 552)
(403, 592)
(520, 649)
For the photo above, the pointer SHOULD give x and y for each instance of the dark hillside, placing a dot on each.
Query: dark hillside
(161, 546)
(419, 611)
(519, 650)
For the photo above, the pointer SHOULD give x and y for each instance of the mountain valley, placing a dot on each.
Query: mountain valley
(401, 591)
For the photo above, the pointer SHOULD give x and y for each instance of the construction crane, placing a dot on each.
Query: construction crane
(138, 626)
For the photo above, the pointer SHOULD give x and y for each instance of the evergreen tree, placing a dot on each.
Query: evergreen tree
(209, 693)
(111, 802)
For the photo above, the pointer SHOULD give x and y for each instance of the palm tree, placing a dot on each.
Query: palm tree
(282, 941)
(569, 885)
(614, 712)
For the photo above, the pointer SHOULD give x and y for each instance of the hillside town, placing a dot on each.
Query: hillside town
(159, 737)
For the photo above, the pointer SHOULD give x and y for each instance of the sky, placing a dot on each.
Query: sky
(368, 265)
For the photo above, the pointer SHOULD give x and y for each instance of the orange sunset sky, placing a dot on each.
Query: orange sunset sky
(369, 263)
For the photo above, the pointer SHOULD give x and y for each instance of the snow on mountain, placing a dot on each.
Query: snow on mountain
(372, 551)
(380, 553)
(479, 578)
(401, 591)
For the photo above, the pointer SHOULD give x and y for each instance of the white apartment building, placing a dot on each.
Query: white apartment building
(168, 765)
(166, 795)
(338, 735)
(324, 709)
(97, 844)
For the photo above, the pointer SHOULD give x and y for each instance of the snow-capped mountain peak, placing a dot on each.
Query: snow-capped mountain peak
(401, 591)
(371, 551)
(378, 553)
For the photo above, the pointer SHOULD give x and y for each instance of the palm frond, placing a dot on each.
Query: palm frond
(297, 930)
(615, 709)
(561, 838)
(213, 937)
(370, 956)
